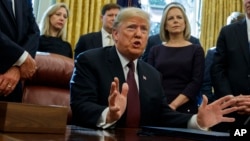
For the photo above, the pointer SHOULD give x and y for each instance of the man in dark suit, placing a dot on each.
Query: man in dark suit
(207, 87)
(230, 71)
(156, 40)
(100, 94)
(19, 36)
(101, 38)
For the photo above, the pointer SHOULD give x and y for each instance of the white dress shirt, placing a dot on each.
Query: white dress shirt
(107, 39)
(248, 28)
(13, 7)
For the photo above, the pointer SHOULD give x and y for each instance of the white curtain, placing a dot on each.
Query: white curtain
(39, 6)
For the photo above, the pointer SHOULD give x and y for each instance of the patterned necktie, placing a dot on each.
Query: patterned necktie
(133, 101)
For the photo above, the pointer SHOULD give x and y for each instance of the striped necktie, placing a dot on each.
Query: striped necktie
(111, 42)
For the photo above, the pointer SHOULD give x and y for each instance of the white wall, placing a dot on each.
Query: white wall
(40, 6)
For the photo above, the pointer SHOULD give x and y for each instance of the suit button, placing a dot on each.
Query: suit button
(248, 75)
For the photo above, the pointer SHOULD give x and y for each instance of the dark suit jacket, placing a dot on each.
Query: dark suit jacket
(230, 71)
(90, 86)
(88, 41)
(156, 40)
(207, 87)
(231, 68)
(17, 34)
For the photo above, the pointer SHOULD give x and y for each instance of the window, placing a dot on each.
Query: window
(39, 6)
(155, 8)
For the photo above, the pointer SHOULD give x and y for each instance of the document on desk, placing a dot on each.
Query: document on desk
(193, 134)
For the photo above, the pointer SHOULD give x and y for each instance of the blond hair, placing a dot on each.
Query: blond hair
(45, 21)
(164, 34)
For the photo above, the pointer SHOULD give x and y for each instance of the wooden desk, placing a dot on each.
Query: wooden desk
(75, 133)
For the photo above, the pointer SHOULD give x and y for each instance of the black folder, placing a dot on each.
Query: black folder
(193, 134)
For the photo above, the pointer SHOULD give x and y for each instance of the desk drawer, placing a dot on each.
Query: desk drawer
(30, 118)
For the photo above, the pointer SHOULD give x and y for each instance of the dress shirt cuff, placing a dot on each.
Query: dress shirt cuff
(192, 123)
(21, 59)
(102, 120)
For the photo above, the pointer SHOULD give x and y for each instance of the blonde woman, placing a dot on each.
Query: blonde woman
(53, 31)
(180, 62)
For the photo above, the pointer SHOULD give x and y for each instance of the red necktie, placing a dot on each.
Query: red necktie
(133, 101)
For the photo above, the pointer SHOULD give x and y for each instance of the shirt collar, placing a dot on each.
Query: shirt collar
(125, 61)
(248, 28)
(248, 20)
(104, 33)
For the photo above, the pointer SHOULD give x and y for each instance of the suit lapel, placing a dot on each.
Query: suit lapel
(115, 65)
(18, 13)
(10, 11)
(98, 39)
(142, 77)
(241, 33)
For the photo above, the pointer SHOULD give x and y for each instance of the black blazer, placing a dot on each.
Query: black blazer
(207, 87)
(231, 67)
(90, 86)
(17, 33)
(88, 41)
(156, 40)
(230, 72)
